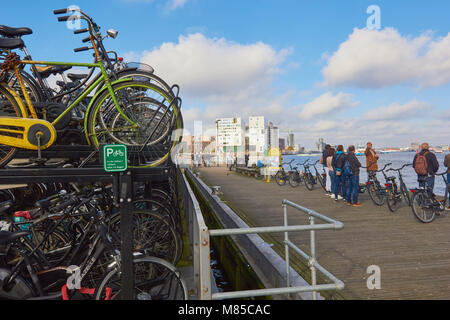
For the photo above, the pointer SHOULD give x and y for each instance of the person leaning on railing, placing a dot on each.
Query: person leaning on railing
(371, 158)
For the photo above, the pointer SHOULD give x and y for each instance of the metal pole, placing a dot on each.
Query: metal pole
(126, 235)
(313, 257)
(286, 246)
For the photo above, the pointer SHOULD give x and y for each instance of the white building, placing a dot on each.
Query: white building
(230, 139)
(257, 139)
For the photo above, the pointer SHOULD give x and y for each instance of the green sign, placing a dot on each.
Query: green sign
(115, 158)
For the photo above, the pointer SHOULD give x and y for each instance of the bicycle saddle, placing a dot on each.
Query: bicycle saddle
(45, 72)
(391, 178)
(11, 32)
(7, 237)
(6, 43)
(74, 76)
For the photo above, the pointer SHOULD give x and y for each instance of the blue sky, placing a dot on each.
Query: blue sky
(309, 66)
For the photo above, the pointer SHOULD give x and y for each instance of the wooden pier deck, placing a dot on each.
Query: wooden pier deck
(414, 258)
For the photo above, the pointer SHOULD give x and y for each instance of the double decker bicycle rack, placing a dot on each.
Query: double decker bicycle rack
(123, 186)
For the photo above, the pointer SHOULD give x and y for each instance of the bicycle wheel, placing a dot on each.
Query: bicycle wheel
(405, 194)
(393, 200)
(375, 194)
(153, 235)
(8, 108)
(148, 123)
(421, 207)
(294, 180)
(280, 178)
(321, 181)
(155, 279)
(309, 181)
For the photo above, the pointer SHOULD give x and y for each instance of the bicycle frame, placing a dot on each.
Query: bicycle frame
(27, 123)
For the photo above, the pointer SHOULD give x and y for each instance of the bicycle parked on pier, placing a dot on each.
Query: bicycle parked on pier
(397, 193)
(296, 177)
(375, 189)
(308, 177)
(281, 177)
(424, 204)
(320, 177)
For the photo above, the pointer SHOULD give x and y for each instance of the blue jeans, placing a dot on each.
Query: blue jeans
(353, 189)
(345, 183)
(448, 181)
(332, 178)
(337, 184)
(429, 181)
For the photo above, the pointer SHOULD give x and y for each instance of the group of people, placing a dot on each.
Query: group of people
(342, 173)
(343, 169)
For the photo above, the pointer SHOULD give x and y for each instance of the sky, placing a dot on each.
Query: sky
(318, 68)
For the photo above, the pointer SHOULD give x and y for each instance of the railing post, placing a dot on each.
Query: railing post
(312, 261)
(286, 246)
(205, 265)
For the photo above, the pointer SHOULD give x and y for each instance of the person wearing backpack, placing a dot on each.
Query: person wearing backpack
(426, 165)
(351, 170)
(338, 166)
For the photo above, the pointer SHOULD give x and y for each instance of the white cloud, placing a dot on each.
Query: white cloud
(206, 67)
(374, 59)
(174, 4)
(327, 104)
(395, 111)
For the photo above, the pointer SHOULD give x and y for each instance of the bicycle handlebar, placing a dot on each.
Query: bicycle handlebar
(406, 165)
(387, 165)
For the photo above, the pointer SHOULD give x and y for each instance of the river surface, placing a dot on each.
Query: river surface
(398, 159)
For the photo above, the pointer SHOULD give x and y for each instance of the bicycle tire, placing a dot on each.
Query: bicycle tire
(162, 282)
(405, 194)
(294, 180)
(418, 202)
(161, 240)
(309, 181)
(280, 178)
(98, 133)
(8, 108)
(375, 195)
(392, 201)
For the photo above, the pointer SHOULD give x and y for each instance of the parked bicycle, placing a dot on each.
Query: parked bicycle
(320, 177)
(281, 177)
(308, 177)
(296, 177)
(375, 189)
(396, 193)
(424, 203)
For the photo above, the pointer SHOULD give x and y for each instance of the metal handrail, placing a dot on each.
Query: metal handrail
(204, 240)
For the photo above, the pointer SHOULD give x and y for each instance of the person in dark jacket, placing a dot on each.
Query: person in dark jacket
(353, 180)
(432, 166)
(447, 165)
(338, 166)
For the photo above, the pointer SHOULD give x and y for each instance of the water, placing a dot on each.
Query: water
(397, 159)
